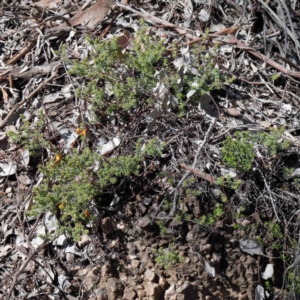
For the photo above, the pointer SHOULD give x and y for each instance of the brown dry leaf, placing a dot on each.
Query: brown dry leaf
(123, 40)
(93, 15)
(47, 3)
(232, 112)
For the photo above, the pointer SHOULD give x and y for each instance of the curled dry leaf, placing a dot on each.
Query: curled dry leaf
(7, 169)
(250, 246)
(107, 148)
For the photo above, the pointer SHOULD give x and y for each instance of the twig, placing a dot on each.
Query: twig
(3, 123)
(154, 19)
(189, 170)
(270, 194)
(234, 41)
(211, 179)
(33, 251)
(23, 51)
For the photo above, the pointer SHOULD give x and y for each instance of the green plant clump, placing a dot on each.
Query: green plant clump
(238, 151)
(212, 218)
(125, 81)
(167, 258)
(31, 137)
(71, 184)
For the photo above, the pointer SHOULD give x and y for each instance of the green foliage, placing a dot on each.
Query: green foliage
(129, 77)
(275, 230)
(271, 141)
(125, 81)
(210, 219)
(275, 76)
(210, 76)
(162, 226)
(287, 172)
(167, 258)
(70, 184)
(31, 136)
(238, 151)
(167, 205)
(294, 282)
(229, 182)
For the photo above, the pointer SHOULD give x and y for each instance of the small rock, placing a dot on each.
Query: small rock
(153, 290)
(144, 222)
(24, 179)
(115, 286)
(8, 190)
(163, 283)
(105, 269)
(132, 257)
(9, 195)
(23, 187)
(141, 293)
(85, 240)
(135, 264)
(123, 277)
(101, 295)
(170, 292)
(206, 249)
(129, 294)
(184, 289)
(92, 278)
(70, 257)
(84, 271)
(195, 259)
(162, 215)
(190, 236)
(150, 275)
(139, 246)
(107, 225)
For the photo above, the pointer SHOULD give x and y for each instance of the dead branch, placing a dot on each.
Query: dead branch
(43, 84)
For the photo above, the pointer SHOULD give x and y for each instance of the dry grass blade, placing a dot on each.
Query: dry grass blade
(281, 24)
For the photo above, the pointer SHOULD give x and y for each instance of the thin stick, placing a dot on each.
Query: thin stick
(189, 170)
(3, 123)
(33, 251)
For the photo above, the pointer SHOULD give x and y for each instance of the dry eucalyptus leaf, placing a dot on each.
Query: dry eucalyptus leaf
(204, 16)
(269, 272)
(25, 158)
(50, 222)
(93, 15)
(51, 4)
(259, 293)
(7, 169)
(124, 39)
(250, 246)
(110, 146)
(5, 250)
(209, 269)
